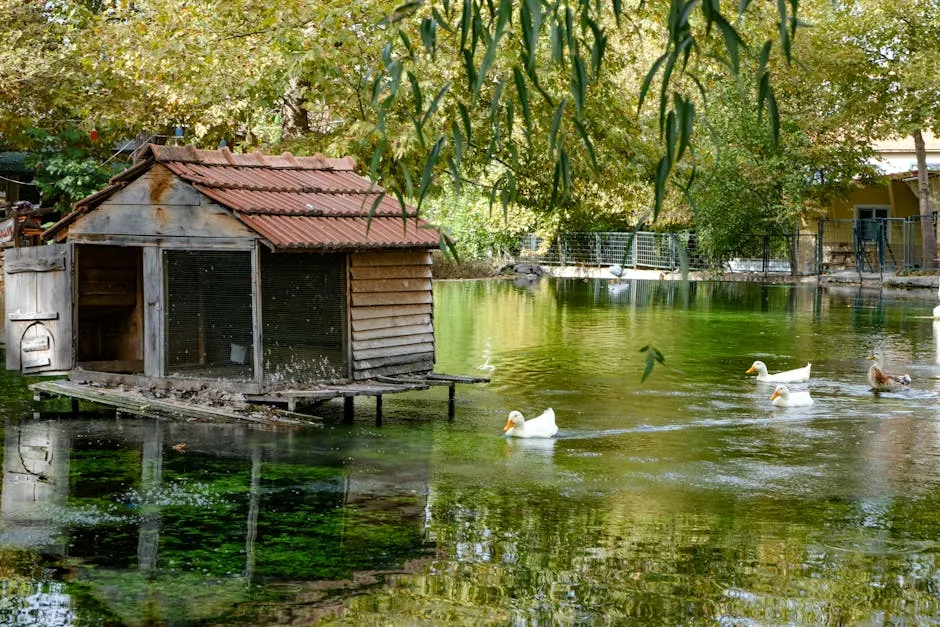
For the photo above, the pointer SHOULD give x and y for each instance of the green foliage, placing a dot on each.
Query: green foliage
(757, 185)
(479, 229)
(65, 167)
(547, 52)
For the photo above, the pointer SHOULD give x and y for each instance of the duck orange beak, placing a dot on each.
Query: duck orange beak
(750, 370)
(774, 395)
(508, 426)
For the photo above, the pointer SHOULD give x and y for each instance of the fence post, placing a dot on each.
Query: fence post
(636, 235)
(881, 245)
(819, 246)
(597, 248)
(766, 252)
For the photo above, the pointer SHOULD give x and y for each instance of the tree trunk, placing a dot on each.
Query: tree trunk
(295, 122)
(928, 233)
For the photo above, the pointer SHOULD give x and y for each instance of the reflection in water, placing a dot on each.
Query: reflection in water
(681, 500)
(165, 535)
(936, 339)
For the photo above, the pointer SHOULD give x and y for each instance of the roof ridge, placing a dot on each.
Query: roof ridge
(298, 189)
(316, 212)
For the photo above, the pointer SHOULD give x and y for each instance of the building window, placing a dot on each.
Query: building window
(867, 214)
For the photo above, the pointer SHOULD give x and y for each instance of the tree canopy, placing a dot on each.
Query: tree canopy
(586, 113)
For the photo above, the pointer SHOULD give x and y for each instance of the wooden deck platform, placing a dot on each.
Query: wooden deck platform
(134, 402)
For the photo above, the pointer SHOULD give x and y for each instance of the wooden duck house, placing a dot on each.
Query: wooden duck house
(247, 272)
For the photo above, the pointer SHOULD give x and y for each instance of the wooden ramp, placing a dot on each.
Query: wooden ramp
(133, 402)
(193, 405)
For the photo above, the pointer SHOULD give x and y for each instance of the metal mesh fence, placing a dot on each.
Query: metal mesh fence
(303, 306)
(782, 254)
(208, 314)
(914, 252)
(878, 245)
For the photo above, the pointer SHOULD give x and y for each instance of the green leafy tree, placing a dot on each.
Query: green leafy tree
(67, 167)
(880, 59)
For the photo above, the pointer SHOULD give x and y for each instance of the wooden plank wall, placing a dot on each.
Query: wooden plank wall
(391, 313)
(38, 305)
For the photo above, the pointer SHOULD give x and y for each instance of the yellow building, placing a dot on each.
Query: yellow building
(877, 226)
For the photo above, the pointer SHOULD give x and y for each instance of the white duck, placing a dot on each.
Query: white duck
(881, 381)
(539, 427)
(783, 397)
(799, 375)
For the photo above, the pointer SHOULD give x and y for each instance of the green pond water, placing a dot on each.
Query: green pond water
(686, 499)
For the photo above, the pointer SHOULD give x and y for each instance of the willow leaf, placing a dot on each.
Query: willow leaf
(578, 83)
(406, 176)
(522, 93)
(556, 124)
(458, 141)
(429, 34)
(427, 177)
(586, 140)
(466, 15)
(377, 159)
(416, 93)
(435, 104)
(644, 88)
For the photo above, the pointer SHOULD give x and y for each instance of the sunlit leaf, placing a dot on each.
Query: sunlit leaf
(522, 93)
(435, 104)
(654, 69)
(556, 124)
(427, 176)
(429, 34)
(416, 93)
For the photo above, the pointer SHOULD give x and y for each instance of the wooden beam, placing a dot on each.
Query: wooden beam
(390, 351)
(394, 360)
(456, 378)
(35, 265)
(389, 311)
(389, 322)
(360, 347)
(153, 288)
(257, 356)
(186, 243)
(392, 298)
(422, 258)
(391, 272)
(167, 383)
(134, 403)
(385, 373)
(393, 331)
(391, 285)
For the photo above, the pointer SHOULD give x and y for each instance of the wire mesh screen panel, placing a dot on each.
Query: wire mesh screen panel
(303, 309)
(208, 314)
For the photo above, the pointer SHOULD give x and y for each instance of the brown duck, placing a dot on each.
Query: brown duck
(881, 381)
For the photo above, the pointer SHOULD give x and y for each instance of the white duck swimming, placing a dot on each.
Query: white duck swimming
(799, 375)
(881, 381)
(783, 397)
(539, 427)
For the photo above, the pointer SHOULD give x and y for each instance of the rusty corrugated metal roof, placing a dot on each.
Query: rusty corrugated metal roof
(334, 233)
(293, 202)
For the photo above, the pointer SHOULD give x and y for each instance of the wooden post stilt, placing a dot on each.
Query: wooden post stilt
(378, 410)
(451, 401)
(74, 405)
(347, 409)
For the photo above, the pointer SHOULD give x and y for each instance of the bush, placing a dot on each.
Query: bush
(445, 267)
